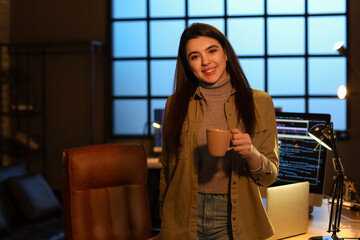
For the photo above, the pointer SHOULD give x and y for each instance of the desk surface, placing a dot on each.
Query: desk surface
(153, 163)
(319, 223)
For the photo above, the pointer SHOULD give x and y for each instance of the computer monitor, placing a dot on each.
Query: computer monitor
(298, 160)
(158, 118)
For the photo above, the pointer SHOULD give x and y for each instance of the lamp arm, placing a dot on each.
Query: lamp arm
(338, 191)
(337, 202)
(338, 167)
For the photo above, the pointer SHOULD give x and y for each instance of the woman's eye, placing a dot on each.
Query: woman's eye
(212, 51)
(193, 57)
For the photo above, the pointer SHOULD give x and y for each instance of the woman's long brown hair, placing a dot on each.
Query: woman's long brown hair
(185, 85)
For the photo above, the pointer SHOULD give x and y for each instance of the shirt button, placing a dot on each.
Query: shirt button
(234, 219)
(234, 201)
(234, 183)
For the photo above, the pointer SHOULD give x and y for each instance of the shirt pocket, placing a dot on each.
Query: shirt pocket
(259, 131)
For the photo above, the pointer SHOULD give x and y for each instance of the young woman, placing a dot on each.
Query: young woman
(206, 197)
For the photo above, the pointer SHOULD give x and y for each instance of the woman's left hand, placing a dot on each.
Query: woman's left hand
(242, 144)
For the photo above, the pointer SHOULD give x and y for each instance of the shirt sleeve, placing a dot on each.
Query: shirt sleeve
(267, 143)
(164, 171)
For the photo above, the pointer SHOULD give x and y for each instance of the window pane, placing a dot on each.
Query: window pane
(130, 78)
(326, 75)
(324, 32)
(286, 35)
(130, 117)
(166, 8)
(162, 77)
(326, 6)
(290, 104)
(254, 70)
(245, 7)
(156, 104)
(218, 23)
(206, 7)
(286, 76)
(165, 37)
(334, 106)
(246, 35)
(286, 7)
(129, 9)
(127, 42)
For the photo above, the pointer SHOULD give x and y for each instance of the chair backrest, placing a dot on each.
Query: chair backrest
(105, 194)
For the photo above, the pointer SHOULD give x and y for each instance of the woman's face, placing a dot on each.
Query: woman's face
(207, 59)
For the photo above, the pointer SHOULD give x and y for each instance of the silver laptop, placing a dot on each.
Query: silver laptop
(288, 209)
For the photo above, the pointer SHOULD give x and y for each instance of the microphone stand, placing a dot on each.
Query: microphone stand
(338, 192)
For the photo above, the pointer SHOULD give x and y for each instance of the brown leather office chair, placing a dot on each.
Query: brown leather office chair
(105, 194)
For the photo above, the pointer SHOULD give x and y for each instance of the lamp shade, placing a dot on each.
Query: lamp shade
(322, 134)
(339, 46)
(156, 125)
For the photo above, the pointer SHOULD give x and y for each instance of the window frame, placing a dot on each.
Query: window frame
(226, 17)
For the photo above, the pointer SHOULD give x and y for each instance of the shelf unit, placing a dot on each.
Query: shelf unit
(23, 97)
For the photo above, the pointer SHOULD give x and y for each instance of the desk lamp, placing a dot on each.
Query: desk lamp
(326, 136)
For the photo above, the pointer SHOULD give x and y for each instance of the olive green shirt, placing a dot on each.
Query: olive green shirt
(179, 174)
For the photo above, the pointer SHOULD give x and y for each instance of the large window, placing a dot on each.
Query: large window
(284, 47)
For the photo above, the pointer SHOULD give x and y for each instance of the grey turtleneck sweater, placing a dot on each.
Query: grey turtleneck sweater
(214, 172)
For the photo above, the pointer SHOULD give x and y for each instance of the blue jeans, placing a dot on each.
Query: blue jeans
(213, 217)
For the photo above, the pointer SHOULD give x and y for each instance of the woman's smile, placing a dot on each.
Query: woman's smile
(210, 72)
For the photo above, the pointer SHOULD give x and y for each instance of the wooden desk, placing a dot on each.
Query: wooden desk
(319, 222)
(154, 163)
